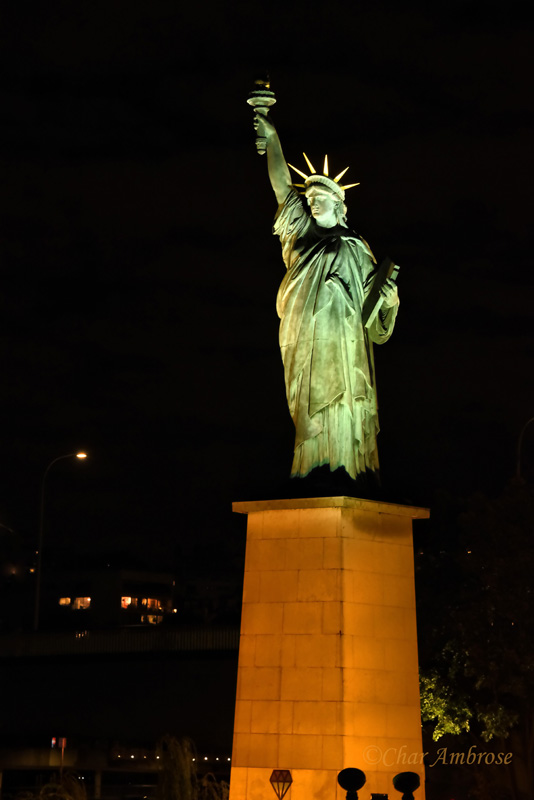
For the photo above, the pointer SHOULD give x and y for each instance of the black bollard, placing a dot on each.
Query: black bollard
(351, 779)
(407, 782)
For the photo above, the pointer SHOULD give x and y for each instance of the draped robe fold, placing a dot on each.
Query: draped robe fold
(326, 350)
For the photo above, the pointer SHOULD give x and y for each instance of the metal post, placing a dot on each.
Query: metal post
(41, 535)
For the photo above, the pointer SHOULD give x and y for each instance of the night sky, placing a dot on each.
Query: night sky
(139, 272)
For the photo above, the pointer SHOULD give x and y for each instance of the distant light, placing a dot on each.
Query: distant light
(193, 759)
(132, 756)
(118, 756)
(81, 455)
(216, 758)
(32, 569)
(205, 758)
(157, 757)
(174, 610)
(228, 759)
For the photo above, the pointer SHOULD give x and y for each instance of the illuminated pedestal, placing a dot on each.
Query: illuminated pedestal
(328, 670)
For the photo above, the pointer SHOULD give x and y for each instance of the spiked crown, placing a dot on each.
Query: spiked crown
(331, 184)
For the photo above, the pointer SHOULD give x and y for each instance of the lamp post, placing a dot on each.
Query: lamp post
(519, 444)
(41, 533)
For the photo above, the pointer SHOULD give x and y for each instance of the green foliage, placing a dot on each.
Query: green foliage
(53, 791)
(178, 779)
(73, 786)
(476, 598)
(496, 721)
(442, 705)
(209, 788)
(69, 788)
(484, 670)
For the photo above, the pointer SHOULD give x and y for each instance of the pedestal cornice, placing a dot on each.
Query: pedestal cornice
(372, 506)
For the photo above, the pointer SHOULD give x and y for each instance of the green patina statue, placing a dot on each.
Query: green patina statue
(327, 330)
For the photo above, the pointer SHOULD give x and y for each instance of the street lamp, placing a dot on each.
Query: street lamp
(41, 532)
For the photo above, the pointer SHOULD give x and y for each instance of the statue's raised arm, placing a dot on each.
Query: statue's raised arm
(276, 163)
(327, 350)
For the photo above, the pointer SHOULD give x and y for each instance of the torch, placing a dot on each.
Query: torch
(261, 98)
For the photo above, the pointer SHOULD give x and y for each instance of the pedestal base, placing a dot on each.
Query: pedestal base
(328, 670)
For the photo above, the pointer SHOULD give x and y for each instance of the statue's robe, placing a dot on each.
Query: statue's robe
(326, 350)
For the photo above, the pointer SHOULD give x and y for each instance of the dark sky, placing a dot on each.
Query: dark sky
(139, 273)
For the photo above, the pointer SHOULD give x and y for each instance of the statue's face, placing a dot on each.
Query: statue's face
(322, 207)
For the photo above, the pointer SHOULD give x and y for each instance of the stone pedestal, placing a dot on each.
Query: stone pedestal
(328, 669)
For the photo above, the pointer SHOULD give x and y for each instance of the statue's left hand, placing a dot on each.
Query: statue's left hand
(390, 293)
(263, 125)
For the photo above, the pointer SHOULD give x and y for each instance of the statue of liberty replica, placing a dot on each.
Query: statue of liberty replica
(333, 306)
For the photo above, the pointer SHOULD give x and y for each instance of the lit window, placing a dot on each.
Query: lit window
(151, 603)
(64, 601)
(81, 602)
(126, 602)
(152, 619)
